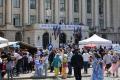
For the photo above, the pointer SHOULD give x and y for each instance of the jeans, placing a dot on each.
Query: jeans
(18, 66)
(39, 71)
(9, 74)
(77, 73)
(0, 75)
(69, 68)
(45, 68)
(51, 67)
(85, 66)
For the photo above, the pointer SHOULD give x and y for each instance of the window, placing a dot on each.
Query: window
(18, 36)
(62, 20)
(48, 4)
(32, 19)
(101, 23)
(88, 6)
(16, 19)
(1, 3)
(1, 19)
(32, 4)
(28, 39)
(16, 3)
(1, 34)
(76, 20)
(89, 22)
(48, 19)
(101, 5)
(62, 5)
(76, 5)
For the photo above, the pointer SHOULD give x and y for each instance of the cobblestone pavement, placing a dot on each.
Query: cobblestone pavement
(30, 76)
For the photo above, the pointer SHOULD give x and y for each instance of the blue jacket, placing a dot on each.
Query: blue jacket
(56, 61)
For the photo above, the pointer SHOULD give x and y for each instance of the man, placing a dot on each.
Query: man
(18, 60)
(77, 64)
(108, 61)
(86, 57)
(69, 56)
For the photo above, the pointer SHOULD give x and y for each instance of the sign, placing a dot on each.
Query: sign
(63, 27)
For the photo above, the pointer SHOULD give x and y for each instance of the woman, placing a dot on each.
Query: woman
(9, 67)
(64, 66)
(0, 68)
(56, 64)
(50, 58)
(97, 68)
(114, 67)
(3, 68)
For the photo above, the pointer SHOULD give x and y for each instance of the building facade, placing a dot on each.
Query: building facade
(19, 17)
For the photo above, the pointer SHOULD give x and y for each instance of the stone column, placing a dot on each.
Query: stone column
(96, 13)
(105, 13)
(52, 10)
(8, 12)
(83, 12)
(56, 11)
(108, 13)
(42, 11)
(26, 12)
(80, 11)
(70, 11)
(66, 11)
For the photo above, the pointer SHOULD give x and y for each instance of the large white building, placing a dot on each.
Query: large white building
(21, 19)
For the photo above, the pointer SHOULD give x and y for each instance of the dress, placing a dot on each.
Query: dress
(97, 69)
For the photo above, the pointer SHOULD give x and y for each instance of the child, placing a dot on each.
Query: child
(3, 68)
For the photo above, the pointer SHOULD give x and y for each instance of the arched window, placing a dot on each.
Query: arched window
(45, 40)
(1, 34)
(62, 39)
(18, 36)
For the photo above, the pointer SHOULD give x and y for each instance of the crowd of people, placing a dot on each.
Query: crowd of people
(61, 61)
(15, 62)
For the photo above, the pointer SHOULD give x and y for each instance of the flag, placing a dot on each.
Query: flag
(74, 32)
(58, 30)
(55, 31)
(80, 33)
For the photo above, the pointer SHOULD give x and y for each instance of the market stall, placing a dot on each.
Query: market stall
(97, 40)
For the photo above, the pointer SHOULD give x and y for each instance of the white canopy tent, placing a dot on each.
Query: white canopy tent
(3, 40)
(7, 44)
(95, 39)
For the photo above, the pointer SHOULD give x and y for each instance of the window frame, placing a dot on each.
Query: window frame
(76, 5)
(32, 4)
(89, 6)
(1, 3)
(16, 19)
(16, 3)
(89, 22)
(62, 5)
(32, 19)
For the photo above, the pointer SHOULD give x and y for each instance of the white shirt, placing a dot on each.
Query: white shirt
(69, 56)
(107, 59)
(17, 56)
(85, 56)
(0, 60)
(30, 59)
